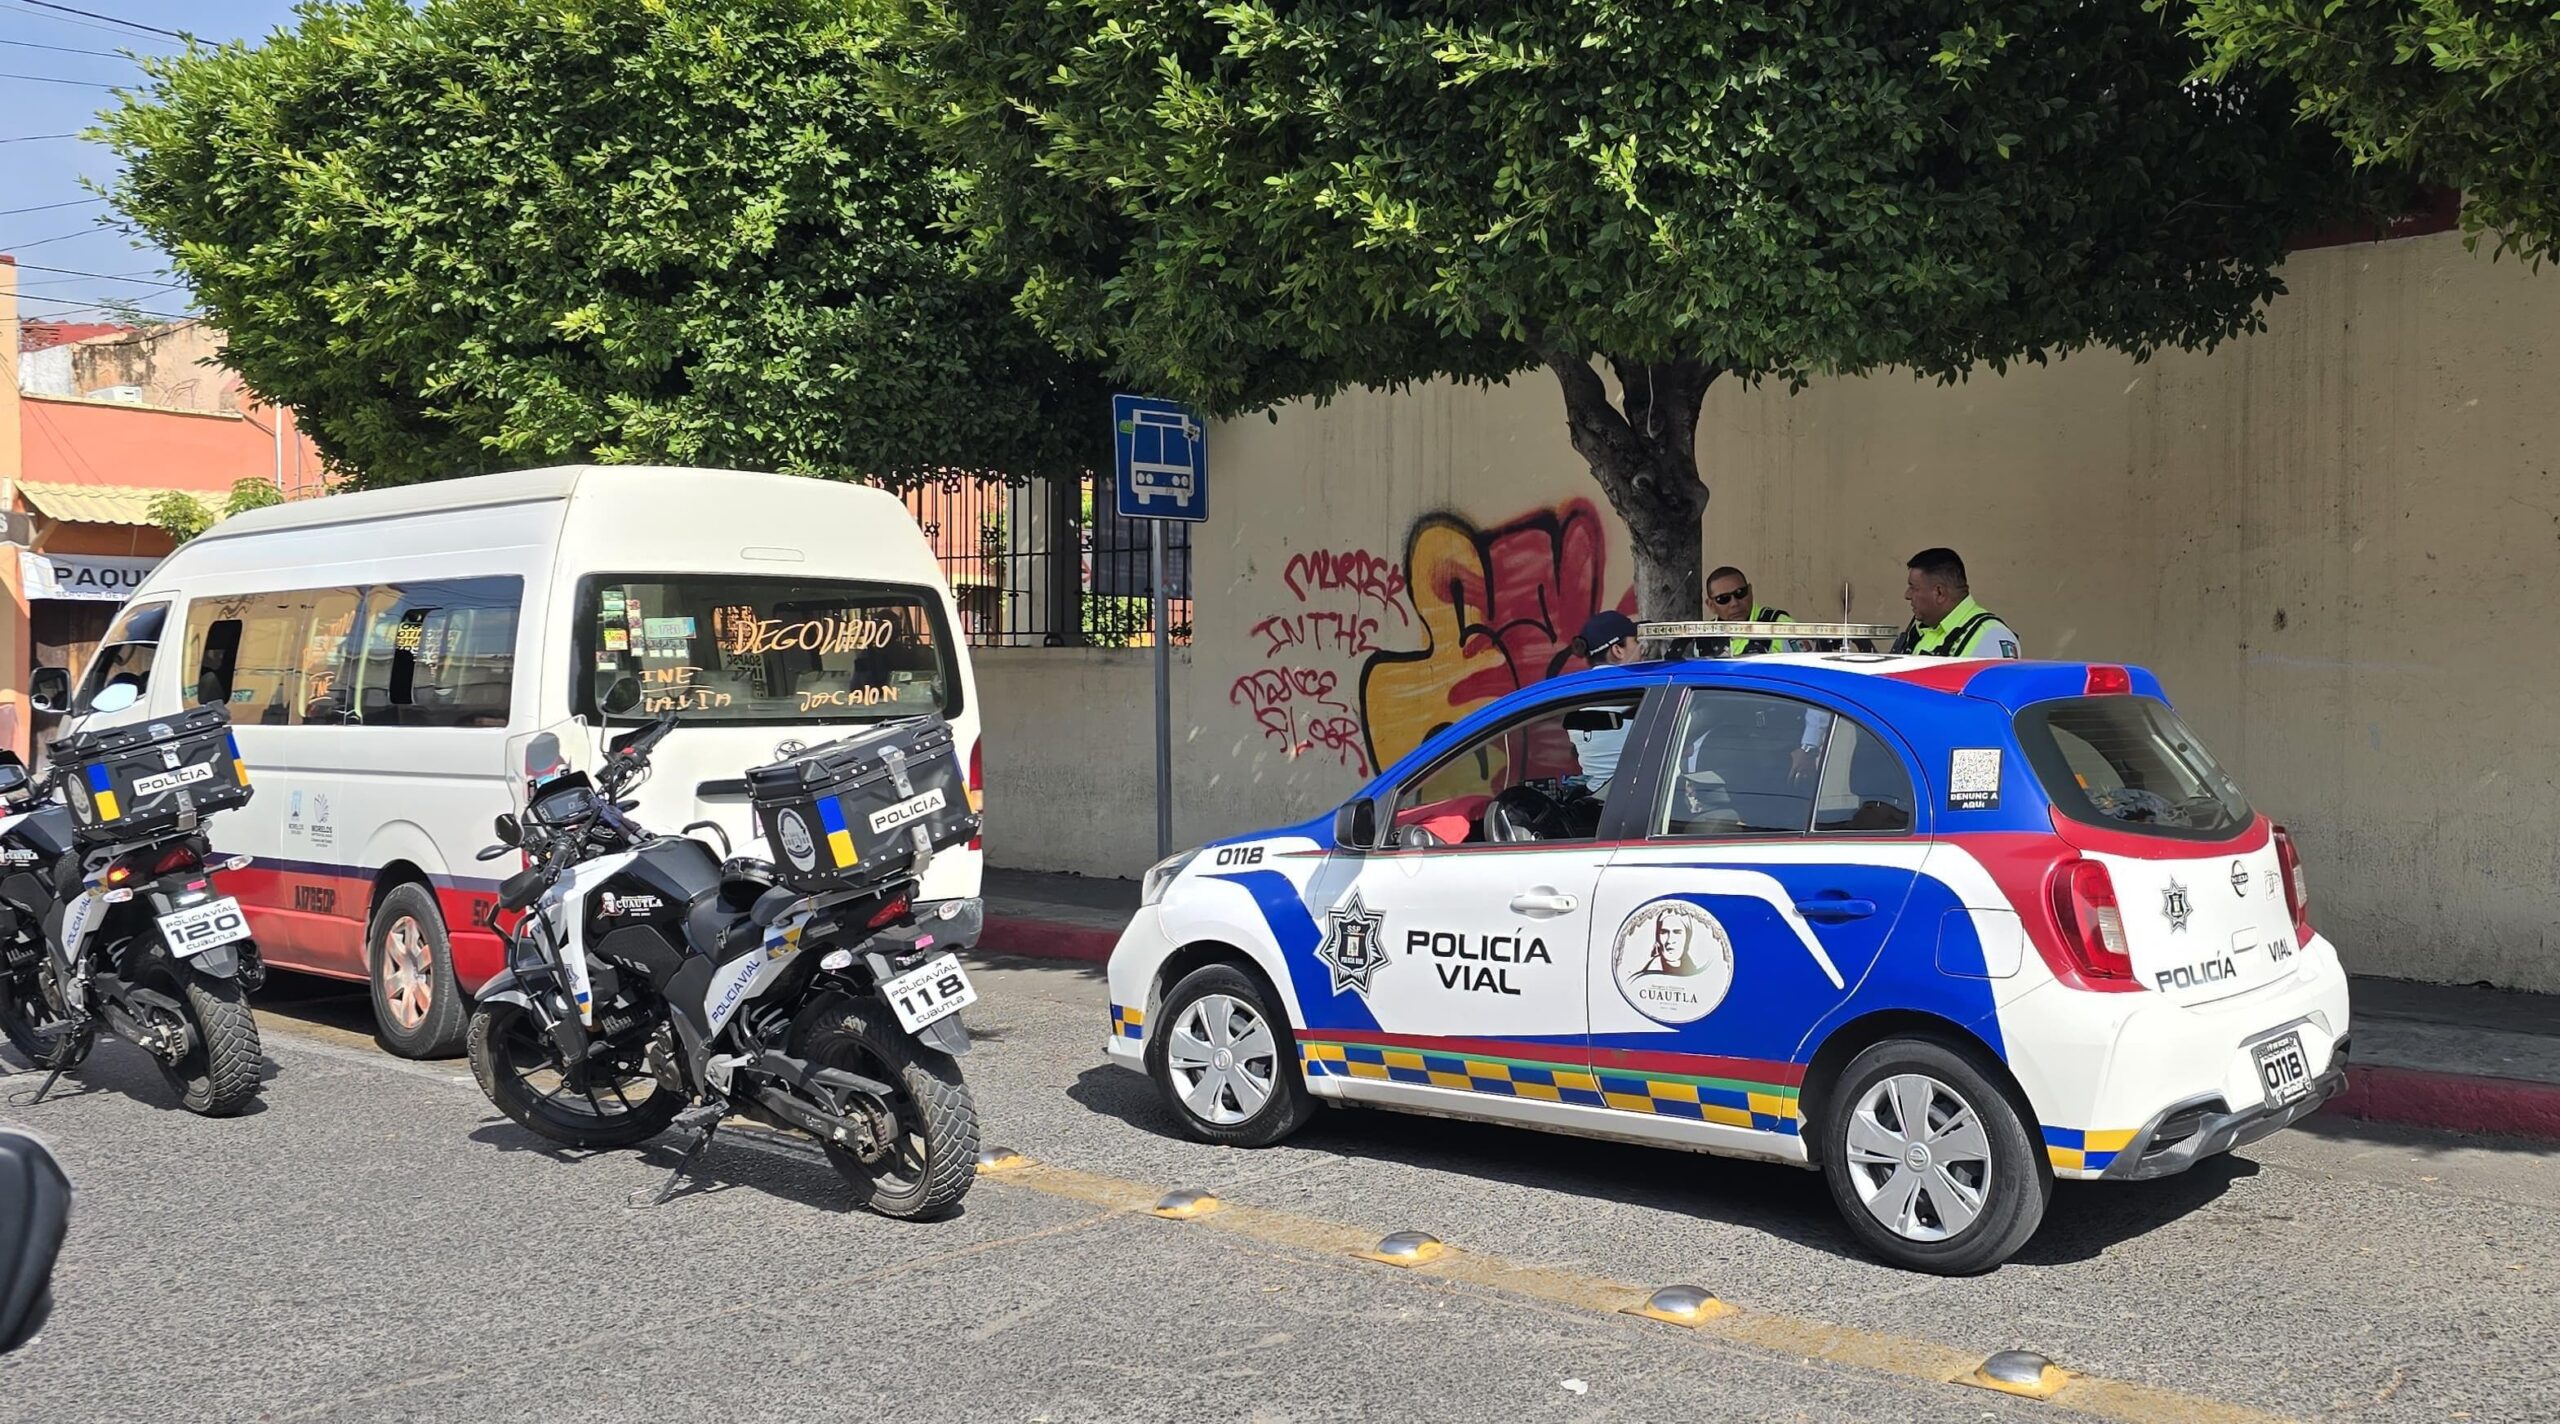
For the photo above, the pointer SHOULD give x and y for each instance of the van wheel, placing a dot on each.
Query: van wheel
(1929, 1162)
(416, 1003)
(1225, 1062)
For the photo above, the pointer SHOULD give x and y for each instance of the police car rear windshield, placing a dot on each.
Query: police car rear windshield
(766, 650)
(2129, 764)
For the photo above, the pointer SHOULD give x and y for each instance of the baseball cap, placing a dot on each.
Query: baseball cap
(1605, 628)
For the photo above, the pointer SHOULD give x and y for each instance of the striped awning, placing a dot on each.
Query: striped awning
(94, 504)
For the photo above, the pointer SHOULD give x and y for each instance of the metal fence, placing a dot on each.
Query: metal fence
(1047, 563)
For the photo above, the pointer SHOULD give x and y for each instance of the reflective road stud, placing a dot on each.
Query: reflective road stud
(1001, 1159)
(2020, 1372)
(1406, 1248)
(1691, 1306)
(1186, 1204)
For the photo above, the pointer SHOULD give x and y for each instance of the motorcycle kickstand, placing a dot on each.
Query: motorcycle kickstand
(62, 1051)
(708, 1116)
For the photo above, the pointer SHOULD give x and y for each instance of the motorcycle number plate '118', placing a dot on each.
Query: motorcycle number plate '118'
(929, 993)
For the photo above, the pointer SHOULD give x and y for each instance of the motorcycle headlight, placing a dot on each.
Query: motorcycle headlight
(1161, 877)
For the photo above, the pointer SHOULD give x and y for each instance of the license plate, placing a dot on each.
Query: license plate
(929, 993)
(2283, 1071)
(197, 928)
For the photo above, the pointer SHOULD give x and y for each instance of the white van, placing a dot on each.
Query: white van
(379, 652)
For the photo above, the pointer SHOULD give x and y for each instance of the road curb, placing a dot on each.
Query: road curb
(2416, 1097)
(1045, 939)
(2450, 1102)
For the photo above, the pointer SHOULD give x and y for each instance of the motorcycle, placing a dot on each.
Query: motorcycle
(651, 983)
(125, 931)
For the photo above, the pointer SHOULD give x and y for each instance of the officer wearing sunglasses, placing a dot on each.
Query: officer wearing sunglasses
(1729, 600)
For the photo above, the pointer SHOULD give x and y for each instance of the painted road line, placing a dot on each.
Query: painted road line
(1900, 1357)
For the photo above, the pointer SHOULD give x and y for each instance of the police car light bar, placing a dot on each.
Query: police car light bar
(1881, 633)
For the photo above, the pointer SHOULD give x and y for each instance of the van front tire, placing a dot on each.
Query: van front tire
(417, 1005)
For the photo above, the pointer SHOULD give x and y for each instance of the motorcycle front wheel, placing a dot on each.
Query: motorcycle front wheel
(514, 1063)
(928, 1166)
(25, 1013)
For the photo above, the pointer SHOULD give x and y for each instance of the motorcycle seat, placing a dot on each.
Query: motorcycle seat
(712, 928)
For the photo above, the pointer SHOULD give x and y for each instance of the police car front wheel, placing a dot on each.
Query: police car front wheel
(1224, 1060)
(1929, 1161)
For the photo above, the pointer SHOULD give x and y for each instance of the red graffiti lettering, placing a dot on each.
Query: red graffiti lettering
(1350, 633)
(1355, 571)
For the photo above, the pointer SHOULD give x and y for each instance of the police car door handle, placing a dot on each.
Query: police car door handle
(1542, 902)
(1835, 909)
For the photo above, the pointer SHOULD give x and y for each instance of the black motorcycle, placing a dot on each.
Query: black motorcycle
(652, 983)
(110, 920)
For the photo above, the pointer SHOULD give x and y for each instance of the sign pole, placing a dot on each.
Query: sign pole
(1164, 695)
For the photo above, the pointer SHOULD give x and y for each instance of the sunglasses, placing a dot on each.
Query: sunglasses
(1723, 600)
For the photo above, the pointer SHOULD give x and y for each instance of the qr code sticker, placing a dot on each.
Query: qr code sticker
(1973, 780)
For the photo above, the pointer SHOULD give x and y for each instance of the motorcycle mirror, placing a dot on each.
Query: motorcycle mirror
(509, 833)
(35, 1211)
(622, 696)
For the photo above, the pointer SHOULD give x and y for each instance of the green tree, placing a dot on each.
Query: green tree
(1245, 202)
(484, 234)
(2465, 91)
(182, 516)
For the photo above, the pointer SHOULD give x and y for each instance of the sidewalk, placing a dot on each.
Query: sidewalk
(2430, 1055)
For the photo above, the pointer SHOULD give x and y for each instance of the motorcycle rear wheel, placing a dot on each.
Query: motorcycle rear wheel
(511, 1060)
(220, 1072)
(934, 1160)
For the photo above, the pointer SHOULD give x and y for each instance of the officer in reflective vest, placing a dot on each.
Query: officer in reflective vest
(1945, 621)
(1729, 601)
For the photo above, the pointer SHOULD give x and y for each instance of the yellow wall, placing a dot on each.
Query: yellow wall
(2337, 542)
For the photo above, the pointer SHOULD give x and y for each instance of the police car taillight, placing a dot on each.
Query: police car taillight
(2084, 902)
(2297, 886)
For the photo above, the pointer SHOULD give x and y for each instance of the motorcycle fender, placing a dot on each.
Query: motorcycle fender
(508, 987)
(945, 1033)
(221, 963)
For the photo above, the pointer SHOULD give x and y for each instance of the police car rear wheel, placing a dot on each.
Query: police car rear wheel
(1929, 1161)
(1224, 1061)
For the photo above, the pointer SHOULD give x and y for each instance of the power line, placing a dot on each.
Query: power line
(48, 79)
(66, 49)
(47, 207)
(33, 138)
(78, 306)
(24, 9)
(119, 281)
(59, 237)
(112, 20)
(102, 276)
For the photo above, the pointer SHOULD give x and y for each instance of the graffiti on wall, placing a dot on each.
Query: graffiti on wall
(1369, 654)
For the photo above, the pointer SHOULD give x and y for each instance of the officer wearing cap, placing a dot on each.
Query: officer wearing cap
(1607, 640)
(1945, 620)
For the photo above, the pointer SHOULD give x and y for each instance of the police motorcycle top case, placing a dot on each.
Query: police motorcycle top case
(2010, 922)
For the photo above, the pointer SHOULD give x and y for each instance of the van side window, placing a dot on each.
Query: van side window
(272, 658)
(437, 653)
(126, 654)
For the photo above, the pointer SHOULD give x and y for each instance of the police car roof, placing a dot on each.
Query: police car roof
(1885, 681)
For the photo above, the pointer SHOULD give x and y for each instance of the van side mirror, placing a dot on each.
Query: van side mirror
(35, 1211)
(1355, 825)
(622, 696)
(49, 690)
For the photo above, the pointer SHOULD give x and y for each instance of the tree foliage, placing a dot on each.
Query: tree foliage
(1246, 202)
(483, 234)
(2466, 91)
(183, 516)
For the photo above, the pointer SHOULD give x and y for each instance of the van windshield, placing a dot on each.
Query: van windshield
(721, 648)
(2129, 764)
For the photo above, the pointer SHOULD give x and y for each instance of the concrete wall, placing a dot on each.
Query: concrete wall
(2337, 542)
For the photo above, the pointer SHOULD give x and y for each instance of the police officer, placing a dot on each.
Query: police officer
(1729, 600)
(1945, 621)
(1607, 640)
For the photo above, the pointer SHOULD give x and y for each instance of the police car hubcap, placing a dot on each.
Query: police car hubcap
(1920, 1157)
(1223, 1059)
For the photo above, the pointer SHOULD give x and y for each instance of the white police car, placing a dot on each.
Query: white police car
(2009, 923)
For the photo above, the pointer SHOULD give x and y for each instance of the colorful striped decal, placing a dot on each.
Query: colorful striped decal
(102, 791)
(2071, 1149)
(1729, 1102)
(839, 835)
(239, 766)
(1128, 1022)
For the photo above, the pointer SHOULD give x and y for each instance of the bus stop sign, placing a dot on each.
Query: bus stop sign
(1160, 460)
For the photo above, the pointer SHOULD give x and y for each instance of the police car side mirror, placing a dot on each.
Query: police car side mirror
(1355, 825)
(49, 690)
(35, 1210)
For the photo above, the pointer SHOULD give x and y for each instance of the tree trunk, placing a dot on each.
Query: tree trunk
(1644, 453)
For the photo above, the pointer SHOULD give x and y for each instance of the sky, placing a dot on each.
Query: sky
(56, 69)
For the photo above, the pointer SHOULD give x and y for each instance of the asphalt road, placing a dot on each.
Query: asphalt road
(376, 1243)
